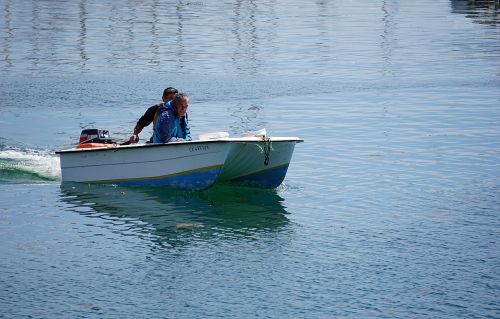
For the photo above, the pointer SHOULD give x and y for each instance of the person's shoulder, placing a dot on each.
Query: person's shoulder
(155, 107)
(162, 107)
(165, 111)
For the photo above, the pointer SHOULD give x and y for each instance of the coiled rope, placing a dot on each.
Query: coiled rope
(267, 149)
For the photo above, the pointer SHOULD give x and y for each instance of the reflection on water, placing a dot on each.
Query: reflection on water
(233, 37)
(480, 11)
(174, 218)
(9, 36)
(247, 118)
(87, 35)
(388, 41)
(83, 34)
(246, 35)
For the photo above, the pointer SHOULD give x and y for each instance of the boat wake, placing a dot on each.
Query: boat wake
(28, 165)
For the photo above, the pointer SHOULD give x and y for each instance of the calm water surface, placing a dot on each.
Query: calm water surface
(390, 209)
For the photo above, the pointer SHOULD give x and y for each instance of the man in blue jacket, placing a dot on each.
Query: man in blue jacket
(172, 125)
(151, 115)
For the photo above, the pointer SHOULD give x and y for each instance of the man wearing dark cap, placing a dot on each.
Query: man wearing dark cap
(150, 116)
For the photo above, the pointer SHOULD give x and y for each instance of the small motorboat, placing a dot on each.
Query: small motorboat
(255, 160)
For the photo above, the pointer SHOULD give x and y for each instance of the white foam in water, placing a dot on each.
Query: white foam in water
(42, 163)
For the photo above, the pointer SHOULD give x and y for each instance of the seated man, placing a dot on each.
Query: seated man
(150, 115)
(172, 122)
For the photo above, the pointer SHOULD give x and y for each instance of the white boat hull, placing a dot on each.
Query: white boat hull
(256, 162)
(184, 165)
(192, 165)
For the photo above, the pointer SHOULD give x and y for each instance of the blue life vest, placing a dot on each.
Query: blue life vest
(170, 125)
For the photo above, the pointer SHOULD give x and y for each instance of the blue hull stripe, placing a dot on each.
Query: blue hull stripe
(269, 178)
(190, 180)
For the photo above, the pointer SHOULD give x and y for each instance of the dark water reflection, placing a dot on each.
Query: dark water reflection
(178, 34)
(173, 218)
(485, 12)
(243, 37)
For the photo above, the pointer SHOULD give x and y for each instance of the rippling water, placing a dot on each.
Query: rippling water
(389, 209)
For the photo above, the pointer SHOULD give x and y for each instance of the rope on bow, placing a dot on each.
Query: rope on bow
(267, 149)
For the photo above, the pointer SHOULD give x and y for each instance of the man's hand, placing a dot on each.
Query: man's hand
(134, 139)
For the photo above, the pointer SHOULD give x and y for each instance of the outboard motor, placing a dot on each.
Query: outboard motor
(95, 136)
